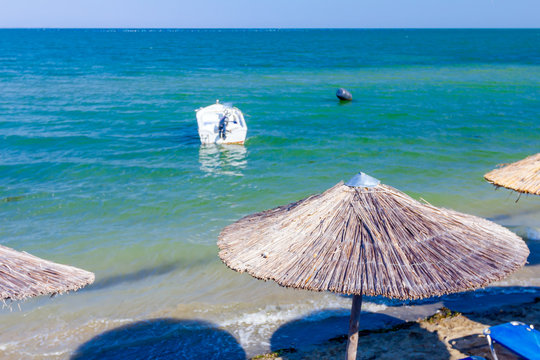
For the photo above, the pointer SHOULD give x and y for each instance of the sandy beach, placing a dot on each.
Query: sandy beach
(102, 168)
(446, 334)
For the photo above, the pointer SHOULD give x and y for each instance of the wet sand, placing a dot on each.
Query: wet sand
(407, 330)
(447, 334)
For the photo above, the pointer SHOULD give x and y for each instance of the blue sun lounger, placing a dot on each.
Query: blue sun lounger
(517, 337)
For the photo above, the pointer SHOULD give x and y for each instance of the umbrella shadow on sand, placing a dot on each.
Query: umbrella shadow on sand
(476, 345)
(534, 256)
(486, 299)
(526, 311)
(488, 306)
(163, 338)
(380, 337)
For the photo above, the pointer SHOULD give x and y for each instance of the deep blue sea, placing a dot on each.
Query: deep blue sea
(101, 165)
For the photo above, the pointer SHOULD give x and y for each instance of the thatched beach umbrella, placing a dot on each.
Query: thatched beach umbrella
(364, 237)
(23, 275)
(522, 176)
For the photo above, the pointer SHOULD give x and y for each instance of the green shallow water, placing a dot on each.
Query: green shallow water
(101, 167)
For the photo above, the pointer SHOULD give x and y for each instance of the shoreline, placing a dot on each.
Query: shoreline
(314, 329)
(447, 333)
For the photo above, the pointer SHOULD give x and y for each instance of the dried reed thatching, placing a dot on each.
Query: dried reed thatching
(522, 176)
(373, 241)
(366, 238)
(23, 275)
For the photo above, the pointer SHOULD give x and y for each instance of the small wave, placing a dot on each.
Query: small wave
(253, 329)
(533, 233)
(275, 313)
(8, 345)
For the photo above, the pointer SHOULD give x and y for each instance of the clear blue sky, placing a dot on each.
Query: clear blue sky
(270, 13)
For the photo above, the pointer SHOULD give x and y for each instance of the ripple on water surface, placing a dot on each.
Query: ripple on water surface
(101, 165)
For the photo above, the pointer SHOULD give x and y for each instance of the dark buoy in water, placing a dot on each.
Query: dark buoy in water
(343, 94)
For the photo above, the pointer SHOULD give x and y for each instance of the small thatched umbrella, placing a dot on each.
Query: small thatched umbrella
(364, 237)
(23, 275)
(522, 176)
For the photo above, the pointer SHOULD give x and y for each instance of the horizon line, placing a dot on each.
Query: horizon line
(265, 28)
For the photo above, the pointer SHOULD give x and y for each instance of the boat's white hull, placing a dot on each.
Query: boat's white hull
(220, 124)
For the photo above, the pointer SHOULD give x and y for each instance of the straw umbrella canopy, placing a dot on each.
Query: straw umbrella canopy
(522, 176)
(364, 237)
(23, 275)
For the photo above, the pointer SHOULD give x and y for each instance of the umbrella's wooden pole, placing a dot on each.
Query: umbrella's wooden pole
(354, 323)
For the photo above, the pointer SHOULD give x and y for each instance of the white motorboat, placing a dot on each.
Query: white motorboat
(221, 124)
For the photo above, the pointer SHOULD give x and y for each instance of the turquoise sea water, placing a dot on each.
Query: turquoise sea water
(101, 166)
